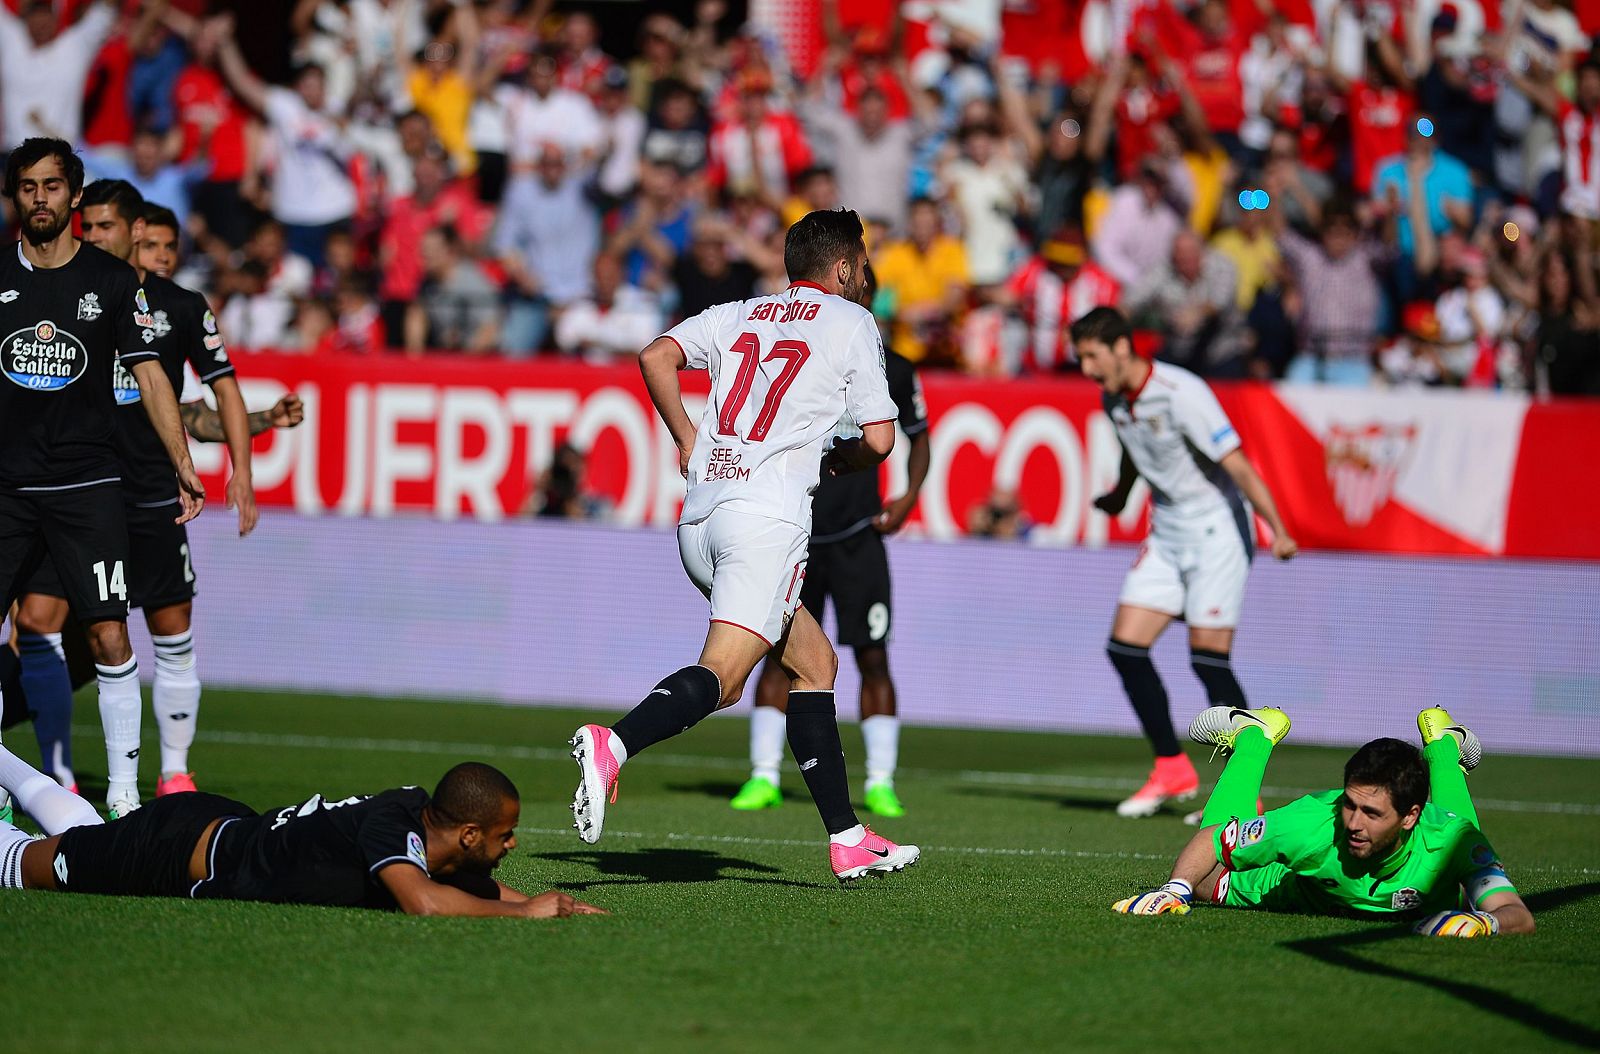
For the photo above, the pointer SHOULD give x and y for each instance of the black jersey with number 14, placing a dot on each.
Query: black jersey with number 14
(185, 331)
(62, 329)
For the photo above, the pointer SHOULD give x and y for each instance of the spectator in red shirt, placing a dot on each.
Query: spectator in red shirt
(581, 64)
(761, 150)
(1210, 52)
(209, 118)
(1381, 107)
(437, 201)
(866, 60)
(1143, 103)
(1058, 285)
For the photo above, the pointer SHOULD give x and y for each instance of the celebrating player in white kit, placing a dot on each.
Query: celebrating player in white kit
(784, 370)
(1194, 564)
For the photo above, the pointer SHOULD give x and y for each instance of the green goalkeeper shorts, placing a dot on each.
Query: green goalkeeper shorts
(1270, 888)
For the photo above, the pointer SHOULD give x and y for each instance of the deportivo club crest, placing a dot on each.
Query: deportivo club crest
(1363, 462)
(1406, 899)
(162, 327)
(89, 307)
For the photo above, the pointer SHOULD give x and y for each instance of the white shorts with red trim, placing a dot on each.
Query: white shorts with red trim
(749, 567)
(1197, 574)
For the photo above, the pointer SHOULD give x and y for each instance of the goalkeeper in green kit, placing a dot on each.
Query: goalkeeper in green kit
(1383, 844)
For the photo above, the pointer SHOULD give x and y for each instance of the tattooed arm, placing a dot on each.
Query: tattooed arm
(205, 424)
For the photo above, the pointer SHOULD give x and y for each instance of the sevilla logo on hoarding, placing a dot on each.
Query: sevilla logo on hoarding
(1363, 462)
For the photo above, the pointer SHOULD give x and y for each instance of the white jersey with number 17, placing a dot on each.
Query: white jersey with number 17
(784, 370)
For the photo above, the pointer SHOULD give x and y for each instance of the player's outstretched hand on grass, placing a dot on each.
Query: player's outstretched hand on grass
(191, 494)
(557, 905)
(1171, 899)
(1458, 924)
(1284, 547)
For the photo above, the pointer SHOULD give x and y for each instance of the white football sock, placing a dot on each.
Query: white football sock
(852, 838)
(175, 697)
(768, 729)
(12, 842)
(52, 807)
(120, 713)
(882, 734)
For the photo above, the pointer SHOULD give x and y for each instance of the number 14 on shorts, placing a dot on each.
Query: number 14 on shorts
(112, 586)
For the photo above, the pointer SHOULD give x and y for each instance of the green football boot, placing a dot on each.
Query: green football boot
(758, 792)
(882, 801)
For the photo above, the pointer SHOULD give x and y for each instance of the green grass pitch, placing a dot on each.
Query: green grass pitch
(729, 932)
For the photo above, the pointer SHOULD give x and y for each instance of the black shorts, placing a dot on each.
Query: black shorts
(854, 571)
(84, 533)
(159, 570)
(144, 854)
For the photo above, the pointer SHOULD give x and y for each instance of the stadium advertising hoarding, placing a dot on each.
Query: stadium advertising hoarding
(1352, 644)
(1442, 473)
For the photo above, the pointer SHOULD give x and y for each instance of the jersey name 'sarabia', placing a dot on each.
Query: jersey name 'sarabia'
(784, 369)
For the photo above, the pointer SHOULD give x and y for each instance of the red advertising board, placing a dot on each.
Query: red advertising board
(1426, 472)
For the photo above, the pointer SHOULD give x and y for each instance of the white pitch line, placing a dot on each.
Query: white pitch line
(977, 777)
(816, 843)
(972, 850)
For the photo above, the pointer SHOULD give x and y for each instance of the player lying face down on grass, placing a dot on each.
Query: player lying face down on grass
(396, 850)
(1401, 837)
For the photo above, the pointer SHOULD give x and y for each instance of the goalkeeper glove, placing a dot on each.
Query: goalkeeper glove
(1458, 924)
(1171, 899)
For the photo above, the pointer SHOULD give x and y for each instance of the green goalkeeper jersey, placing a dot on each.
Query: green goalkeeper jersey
(1291, 859)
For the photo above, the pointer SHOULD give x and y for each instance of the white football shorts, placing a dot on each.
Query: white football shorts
(1197, 571)
(749, 567)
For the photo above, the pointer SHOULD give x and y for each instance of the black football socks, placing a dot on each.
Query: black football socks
(813, 728)
(1146, 693)
(681, 701)
(1216, 672)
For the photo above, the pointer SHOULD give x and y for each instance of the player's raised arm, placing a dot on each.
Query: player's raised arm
(205, 424)
(660, 362)
(161, 404)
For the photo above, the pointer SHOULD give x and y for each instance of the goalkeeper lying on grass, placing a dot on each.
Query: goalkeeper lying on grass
(1381, 845)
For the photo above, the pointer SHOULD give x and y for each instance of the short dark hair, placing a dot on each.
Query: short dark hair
(1394, 765)
(161, 216)
(820, 240)
(472, 792)
(32, 151)
(1105, 325)
(123, 197)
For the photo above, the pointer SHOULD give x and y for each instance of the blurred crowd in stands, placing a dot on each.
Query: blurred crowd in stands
(1352, 192)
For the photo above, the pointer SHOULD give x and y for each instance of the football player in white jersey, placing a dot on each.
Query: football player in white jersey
(784, 370)
(1195, 561)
